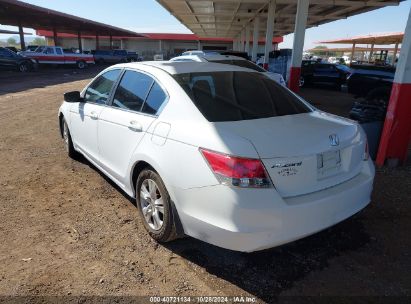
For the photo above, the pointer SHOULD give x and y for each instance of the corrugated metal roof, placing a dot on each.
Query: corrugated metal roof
(379, 39)
(14, 12)
(227, 18)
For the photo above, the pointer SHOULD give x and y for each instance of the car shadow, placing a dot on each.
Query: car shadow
(266, 274)
(81, 159)
(14, 82)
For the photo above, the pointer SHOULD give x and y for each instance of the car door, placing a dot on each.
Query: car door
(134, 107)
(84, 115)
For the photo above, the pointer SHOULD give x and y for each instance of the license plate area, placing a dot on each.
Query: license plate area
(328, 164)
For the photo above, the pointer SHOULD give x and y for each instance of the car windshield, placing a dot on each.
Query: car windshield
(241, 63)
(234, 96)
(40, 49)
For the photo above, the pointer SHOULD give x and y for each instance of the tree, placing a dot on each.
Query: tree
(321, 47)
(11, 41)
(38, 41)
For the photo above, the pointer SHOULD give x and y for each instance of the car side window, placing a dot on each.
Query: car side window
(154, 100)
(99, 90)
(49, 50)
(59, 52)
(132, 91)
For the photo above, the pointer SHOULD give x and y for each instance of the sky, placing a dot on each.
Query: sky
(149, 16)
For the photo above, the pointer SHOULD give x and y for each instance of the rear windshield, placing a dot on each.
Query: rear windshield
(234, 96)
(241, 63)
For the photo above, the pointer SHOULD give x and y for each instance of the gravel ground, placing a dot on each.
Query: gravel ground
(66, 230)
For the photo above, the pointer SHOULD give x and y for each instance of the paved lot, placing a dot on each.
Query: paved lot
(67, 230)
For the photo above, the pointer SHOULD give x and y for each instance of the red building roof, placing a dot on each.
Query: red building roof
(155, 36)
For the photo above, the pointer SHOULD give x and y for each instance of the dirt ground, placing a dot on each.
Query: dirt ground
(65, 230)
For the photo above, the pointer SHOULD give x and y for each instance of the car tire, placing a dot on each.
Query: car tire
(68, 142)
(81, 64)
(155, 207)
(23, 67)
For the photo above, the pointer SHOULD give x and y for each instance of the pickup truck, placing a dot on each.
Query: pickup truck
(108, 56)
(56, 55)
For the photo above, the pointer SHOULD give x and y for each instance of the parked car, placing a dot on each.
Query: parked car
(56, 55)
(108, 56)
(133, 56)
(217, 52)
(371, 82)
(12, 48)
(335, 74)
(233, 60)
(12, 61)
(218, 152)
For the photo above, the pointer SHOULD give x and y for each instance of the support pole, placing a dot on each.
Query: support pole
(255, 39)
(80, 46)
(111, 42)
(242, 40)
(352, 53)
(55, 38)
(298, 45)
(21, 33)
(395, 54)
(199, 45)
(269, 32)
(396, 134)
(97, 42)
(371, 51)
(247, 40)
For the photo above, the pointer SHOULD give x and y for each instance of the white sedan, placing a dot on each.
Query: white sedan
(218, 152)
(227, 59)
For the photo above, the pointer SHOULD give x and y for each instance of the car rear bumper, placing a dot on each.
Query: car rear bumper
(255, 219)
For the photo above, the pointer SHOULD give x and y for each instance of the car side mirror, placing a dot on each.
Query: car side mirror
(73, 96)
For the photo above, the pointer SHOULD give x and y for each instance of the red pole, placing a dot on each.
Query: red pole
(396, 134)
(298, 45)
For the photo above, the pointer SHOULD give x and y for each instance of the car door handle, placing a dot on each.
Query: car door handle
(94, 115)
(136, 126)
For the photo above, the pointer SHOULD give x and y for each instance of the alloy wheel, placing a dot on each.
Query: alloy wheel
(301, 81)
(23, 67)
(152, 204)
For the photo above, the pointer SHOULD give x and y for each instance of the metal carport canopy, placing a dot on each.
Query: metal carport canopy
(378, 39)
(22, 14)
(227, 18)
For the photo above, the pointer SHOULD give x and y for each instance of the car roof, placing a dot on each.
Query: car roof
(211, 56)
(182, 67)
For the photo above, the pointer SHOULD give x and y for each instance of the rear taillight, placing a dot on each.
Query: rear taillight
(366, 151)
(237, 171)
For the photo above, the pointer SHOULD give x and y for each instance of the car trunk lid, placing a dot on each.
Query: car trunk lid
(303, 153)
